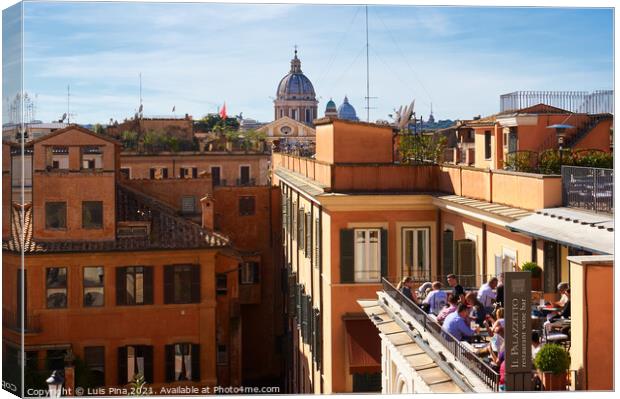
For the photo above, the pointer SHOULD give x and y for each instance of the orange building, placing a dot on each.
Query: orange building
(352, 217)
(485, 142)
(115, 277)
(242, 204)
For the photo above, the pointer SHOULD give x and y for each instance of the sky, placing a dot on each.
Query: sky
(196, 56)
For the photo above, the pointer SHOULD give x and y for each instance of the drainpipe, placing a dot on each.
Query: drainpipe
(484, 251)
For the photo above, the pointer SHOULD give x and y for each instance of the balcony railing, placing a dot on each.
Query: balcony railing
(588, 188)
(246, 182)
(482, 370)
(13, 321)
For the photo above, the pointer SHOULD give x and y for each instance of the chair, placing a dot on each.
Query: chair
(556, 337)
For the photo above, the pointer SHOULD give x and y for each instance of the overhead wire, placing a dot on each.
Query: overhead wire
(337, 48)
(415, 75)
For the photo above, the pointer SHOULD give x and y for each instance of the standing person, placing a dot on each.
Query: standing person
(436, 299)
(457, 324)
(405, 286)
(457, 289)
(486, 293)
(500, 290)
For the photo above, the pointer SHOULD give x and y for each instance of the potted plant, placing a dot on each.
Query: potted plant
(552, 363)
(536, 271)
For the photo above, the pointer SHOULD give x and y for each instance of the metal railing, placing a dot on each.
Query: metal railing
(13, 321)
(597, 102)
(482, 370)
(246, 182)
(588, 188)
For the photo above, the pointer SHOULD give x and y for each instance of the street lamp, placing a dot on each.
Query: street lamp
(54, 383)
(560, 132)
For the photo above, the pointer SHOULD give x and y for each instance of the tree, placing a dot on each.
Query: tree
(97, 128)
(415, 148)
(213, 122)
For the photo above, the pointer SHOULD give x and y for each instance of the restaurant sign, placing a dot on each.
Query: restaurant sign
(518, 330)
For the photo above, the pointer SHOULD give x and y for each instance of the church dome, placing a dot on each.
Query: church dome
(346, 111)
(295, 85)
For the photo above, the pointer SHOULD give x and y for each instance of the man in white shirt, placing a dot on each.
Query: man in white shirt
(486, 293)
(436, 299)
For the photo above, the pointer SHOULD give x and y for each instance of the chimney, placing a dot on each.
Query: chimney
(207, 212)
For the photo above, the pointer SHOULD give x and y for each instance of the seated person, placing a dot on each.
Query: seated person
(453, 302)
(436, 299)
(557, 320)
(457, 324)
(477, 310)
(486, 293)
(405, 287)
(564, 297)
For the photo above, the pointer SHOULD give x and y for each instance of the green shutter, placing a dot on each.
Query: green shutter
(466, 262)
(384, 253)
(347, 256)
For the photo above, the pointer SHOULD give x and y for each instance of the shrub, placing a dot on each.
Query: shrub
(552, 358)
(533, 268)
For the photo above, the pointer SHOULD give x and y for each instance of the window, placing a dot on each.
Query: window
(183, 172)
(249, 273)
(56, 287)
(55, 215)
(134, 285)
(416, 253)
(58, 158)
(367, 255)
(301, 236)
(244, 175)
(126, 173)
(247, 206)
(152, 173)
(222, 355)
(182, 284)
(308, 117)
(448, 252)
(308, 231)
(215, 175)
(188, 204)
(221, 284)
(182, 362)
(294, 114)
(94, 357)
(135, 359)
(92, 157)
(487, 145)
(92, 214)
(93, 286)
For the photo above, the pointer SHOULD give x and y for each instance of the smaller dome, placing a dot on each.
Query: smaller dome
(330, 106)
(346, 111)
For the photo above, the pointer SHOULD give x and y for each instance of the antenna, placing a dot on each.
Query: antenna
(367, 73)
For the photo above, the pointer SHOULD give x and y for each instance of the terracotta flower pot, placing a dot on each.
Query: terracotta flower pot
(536, 283)
(553, 382)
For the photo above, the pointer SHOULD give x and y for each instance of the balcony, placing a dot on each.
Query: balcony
(588, 188)
(13, 321)
(246, 182)
(460, 352)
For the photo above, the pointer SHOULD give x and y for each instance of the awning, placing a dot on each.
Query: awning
(364, 346)
(578, 229)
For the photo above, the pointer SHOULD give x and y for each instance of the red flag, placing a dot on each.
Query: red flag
(223, 111)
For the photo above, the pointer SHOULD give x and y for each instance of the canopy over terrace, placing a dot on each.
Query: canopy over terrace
(574, 228)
